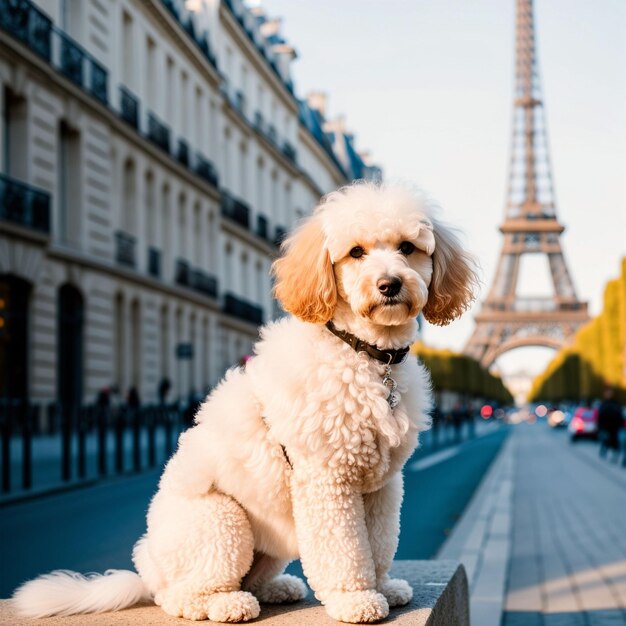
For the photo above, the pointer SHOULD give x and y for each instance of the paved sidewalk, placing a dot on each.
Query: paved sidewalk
(543, 538)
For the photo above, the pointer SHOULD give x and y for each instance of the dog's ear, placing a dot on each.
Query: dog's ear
(305, 282)
(454, 281)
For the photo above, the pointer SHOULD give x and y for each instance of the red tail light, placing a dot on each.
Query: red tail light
(578, 424)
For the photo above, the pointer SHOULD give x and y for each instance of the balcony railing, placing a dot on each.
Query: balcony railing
(201, 40)
(125, 249)
(289, 151)
(129, 107)
(262, 226)
(204, 283)
(154, 262)
(279, 235)
(24, 21)
(237, 307)
(27, 23)
(24, 205)
(272, 135)
(238, 13)
(235, 210)
(183, 273)
(205, 169)
(259, 123)
(158, 133)
(72, 60)
(240, 102)
(182, 153)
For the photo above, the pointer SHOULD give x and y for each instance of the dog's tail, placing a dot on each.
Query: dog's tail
(68, 593)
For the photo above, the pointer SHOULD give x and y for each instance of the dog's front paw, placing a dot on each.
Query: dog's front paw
(397, 591)
(233, 606)
(283, 588)
(356, 607)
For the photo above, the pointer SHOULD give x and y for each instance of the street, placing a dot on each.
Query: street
(568, 549)
(94, 529)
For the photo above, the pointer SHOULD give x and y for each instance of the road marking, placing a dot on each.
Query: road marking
(433, 459)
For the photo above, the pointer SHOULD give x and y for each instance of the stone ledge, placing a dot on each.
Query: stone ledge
(440, 598)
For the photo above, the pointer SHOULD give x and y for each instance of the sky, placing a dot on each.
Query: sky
(426, 86)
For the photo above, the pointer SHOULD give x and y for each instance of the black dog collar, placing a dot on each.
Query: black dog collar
(388, 357)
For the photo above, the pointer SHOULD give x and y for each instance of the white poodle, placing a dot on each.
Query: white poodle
(300, 454)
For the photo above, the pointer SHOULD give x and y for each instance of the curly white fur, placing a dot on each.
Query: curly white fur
(231, 511)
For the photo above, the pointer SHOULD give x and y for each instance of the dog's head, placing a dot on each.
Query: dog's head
(377, 248)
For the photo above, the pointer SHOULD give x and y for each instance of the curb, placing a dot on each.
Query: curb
(482, 539)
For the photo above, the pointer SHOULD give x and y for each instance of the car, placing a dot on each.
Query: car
(556, 419)
(584, 423)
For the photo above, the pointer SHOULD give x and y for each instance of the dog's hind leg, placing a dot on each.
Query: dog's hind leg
(203, 547)
(268, 583)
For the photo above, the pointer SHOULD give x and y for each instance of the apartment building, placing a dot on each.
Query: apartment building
(154, 154)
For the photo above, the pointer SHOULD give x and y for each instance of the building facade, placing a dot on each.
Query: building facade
(154, 154)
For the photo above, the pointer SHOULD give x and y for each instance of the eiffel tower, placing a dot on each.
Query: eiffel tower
(506, 320)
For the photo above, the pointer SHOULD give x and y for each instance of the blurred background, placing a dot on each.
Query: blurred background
(156, 152)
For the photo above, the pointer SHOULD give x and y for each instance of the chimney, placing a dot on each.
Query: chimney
(317, 100)
(270, 27)
(285, 54)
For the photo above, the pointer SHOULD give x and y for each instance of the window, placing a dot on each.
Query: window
(127, 56)
(135, 339)
(129, 206)
(197, 234)
(152, 78)
(169, 93)
(120, 360)
(68, 186)
(150, 209)
(165, 342)
(14, 135)
(70, 311)
(14, 341)
(182, 227)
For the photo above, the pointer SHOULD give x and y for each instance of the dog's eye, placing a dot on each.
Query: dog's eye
(357, 252)
(406, 247)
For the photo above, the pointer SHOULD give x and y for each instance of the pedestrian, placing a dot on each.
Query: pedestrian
(164, 388)
(133, 401)
(457, 421)
(435, 416)
(610, 423)
(103, 401)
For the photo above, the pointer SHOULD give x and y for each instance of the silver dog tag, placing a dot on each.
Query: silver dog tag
(393, 398)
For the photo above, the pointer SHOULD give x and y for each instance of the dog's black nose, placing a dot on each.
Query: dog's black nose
(389, 286)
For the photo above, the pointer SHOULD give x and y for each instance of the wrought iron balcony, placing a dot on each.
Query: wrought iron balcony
(26, 22)
(235, 210)
(125, 249)
(171, 7)
(98, 82)
(182, 153)
(289, 151)
(129, 107)
(240, 102)
(262, 226)
(237, 307)
(272, 135)
(259, 123)
(24, 205)
(279, 235)
(205, 169)
(154, 262)
(158, 133)
(202, 42)
(183, 273)
(72, 60)
(204, 283)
